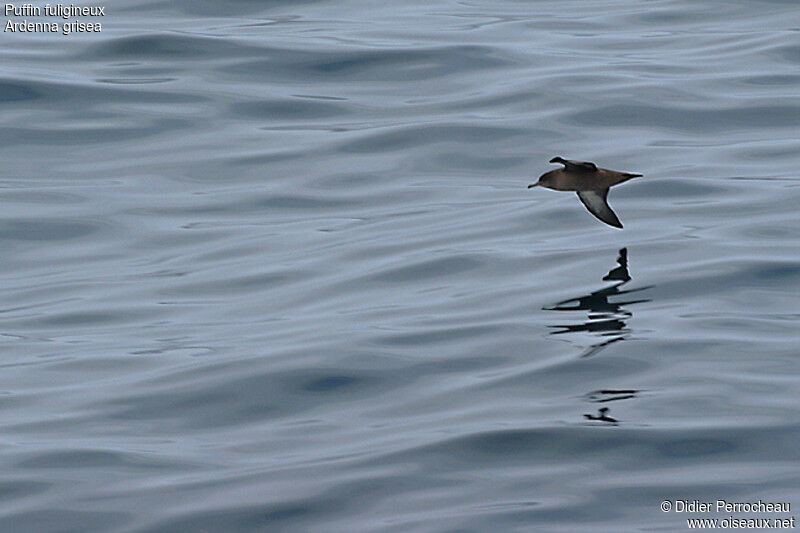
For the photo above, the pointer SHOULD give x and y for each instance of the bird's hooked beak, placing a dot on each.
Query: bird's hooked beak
(532, 185)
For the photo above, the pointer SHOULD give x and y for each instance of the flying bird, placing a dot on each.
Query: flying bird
(590, 182)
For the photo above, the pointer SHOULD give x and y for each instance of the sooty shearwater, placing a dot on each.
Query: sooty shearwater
(590, 182)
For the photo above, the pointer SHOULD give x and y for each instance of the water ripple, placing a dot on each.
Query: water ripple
(274, 266)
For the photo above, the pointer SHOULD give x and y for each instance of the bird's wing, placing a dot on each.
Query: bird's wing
(595, 202)
(575, 166)
(580, 166)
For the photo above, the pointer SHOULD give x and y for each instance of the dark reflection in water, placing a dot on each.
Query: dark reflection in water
(611, 395)
(601, 416)
(606, 319)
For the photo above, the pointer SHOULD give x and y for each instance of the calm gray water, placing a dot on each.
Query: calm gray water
(272, 266)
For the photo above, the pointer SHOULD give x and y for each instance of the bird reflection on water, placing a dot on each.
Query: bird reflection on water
(606, 319)
(602, 416)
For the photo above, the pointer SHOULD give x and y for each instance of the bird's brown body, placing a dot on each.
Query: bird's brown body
(589, 181)
(564, 180)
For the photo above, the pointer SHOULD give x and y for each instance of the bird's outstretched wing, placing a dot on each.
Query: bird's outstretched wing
(575, 166)
(595, 202)
(585, 166)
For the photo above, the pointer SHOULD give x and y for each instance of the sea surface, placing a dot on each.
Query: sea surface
(273, 266)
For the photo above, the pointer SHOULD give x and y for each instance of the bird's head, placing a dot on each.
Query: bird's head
(545, 180)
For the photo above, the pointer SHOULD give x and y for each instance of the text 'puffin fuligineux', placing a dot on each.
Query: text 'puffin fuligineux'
(590, 182)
